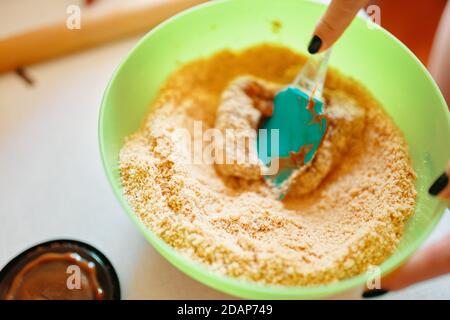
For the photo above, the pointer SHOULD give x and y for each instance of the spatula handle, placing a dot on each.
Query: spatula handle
(312, 76)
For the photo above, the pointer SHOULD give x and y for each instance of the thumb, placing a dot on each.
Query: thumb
(429, 263)
(336, 19)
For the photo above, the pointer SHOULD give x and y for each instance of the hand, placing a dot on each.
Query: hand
(336, 19)
(430, 262)
(434, 260)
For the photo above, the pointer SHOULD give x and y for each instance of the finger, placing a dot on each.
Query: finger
(441, 187)
(429, 263)
(336, 19)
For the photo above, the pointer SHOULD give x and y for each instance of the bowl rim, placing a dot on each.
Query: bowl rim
(234, 286)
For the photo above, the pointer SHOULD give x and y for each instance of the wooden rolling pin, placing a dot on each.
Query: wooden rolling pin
(97, 27)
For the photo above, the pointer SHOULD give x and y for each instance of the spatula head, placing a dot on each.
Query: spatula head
(301, 124)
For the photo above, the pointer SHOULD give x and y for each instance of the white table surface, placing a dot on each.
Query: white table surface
(52, 183)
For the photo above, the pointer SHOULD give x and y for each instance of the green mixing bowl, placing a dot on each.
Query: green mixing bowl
(368, 53)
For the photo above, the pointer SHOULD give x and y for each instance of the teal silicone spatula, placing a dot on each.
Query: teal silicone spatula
(300, 119)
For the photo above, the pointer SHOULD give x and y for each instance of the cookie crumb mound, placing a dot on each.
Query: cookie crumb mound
(346, 212)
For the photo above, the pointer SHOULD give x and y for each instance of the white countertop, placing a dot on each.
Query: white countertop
(52, 182)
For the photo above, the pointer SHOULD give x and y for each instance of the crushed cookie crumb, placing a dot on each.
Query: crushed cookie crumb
(351, 219)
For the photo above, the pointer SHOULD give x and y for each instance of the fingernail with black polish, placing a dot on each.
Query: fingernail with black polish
(439, 185)
(314, 44)
(374, 293)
